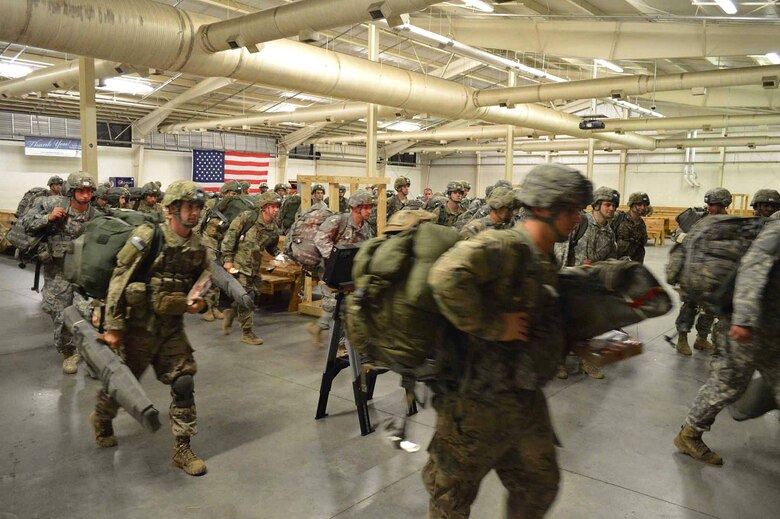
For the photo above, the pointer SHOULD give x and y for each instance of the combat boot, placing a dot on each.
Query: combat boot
(185, 459)
(316, 333)
(593, 371)
(688, 441)
(702, 343)
(227, 323)
(217, 313)
(249, 337)
(682, 345)
(562, 373)
(104, 431)
(70, 364)
(208, 315)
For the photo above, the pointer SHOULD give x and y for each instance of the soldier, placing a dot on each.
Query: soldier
(99, 202)
(117, 197)
(502, 203)
(350, 227)
(245, 187)
(466, 200)
(717, 201)
(317, 194)
(281, 190)
(745, 341)
(397, 202)
(452, 209)
(343, 204)
(630, 229)
(491, 411)
(598, 243)
(765, 202)
(149, 203)
(427, 194)
(144, 319)
(55, 185)
(60, 219)
(245, 241)
(263, 187)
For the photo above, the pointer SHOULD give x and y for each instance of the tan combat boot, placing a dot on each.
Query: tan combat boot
(688, 441)
(70, 364)
(593, 371)
(227, 323)
(562, 373)
(249, 337)
(185, 459)
(104, 431)
(208, 315)
(217, 313)
(702, 343)
(682, 344)
(316, 333)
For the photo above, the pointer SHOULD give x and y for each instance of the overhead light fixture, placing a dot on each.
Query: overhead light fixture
(14, 70)
(402, 126)
(126, 85)
(608, 64)
(773, 58)
(282, 107)
(727, 6)
(479, 5)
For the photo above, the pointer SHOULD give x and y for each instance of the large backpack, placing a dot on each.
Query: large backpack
(91, 263)
(392, 317)
(289, 209)
(28, 199)
(227, 210)
(713, 250)
(26, 244)
(688, 218)
(476, 210)
(299, 243)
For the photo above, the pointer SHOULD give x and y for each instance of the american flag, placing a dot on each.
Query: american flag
(212, 168)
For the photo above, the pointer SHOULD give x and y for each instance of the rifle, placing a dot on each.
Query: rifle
(37, 278)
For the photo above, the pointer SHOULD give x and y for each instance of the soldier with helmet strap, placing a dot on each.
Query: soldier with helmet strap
(55, 185)
(149, 194)
(466, 200)
(630, 229)
(397, 202)
(263, 187)
(491, 413)
(281, 190)
(145, 316)
(453, 208)
(100, 202)
(60, 219)
(765, 202)
(502, 202)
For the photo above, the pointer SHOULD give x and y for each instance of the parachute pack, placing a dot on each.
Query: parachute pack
(228, 209)
(25, 243)
(392, 317)
(28, 200)
(300, 240)
(289, 209)
(477, 209)
(689, 217)
(713, 249)
(92, 261)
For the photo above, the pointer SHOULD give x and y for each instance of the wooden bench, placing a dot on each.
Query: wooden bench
(657, 229)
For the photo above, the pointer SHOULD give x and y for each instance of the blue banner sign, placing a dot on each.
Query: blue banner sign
(121, 181)
(52, 147)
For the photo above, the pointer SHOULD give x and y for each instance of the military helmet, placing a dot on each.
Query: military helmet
(277, 187)
(269, 197)
(342, 188)
(100, 192)
(454, 186)
(504, 183)
(765, 196)
(360, 197)
(113, 194)
(263, 185)
(55, 180)
(150, 188)
(245, 186)
(606, 194)
(638, 198)
(317, 187)
(548, 185)
(718, 195)
(230, 185)
(466, 185)
(80, 180)
(401, 182)
(412, 205)
(502, 197)
(489, 191)
(184, 191)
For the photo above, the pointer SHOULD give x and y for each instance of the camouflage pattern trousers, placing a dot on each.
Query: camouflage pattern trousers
(732, 368)
(246, 317)
(687, 316)
(170, 354)
(511, 434)
(58, 294)
(328, 303)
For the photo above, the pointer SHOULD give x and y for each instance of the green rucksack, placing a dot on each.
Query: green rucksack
(289, 209)
(91, 263)
(392, 317)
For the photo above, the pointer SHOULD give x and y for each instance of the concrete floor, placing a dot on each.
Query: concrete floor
(268, 457)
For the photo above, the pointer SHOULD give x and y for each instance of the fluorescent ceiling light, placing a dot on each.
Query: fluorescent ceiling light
(402, 126)
(126, 85)
(608, 64)
(727, 6)
(773, 58)
(13, 70)
(479, 5)
(282, 107)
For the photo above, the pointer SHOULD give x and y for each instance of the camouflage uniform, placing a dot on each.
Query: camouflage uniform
(631, 236)
(475, 227)
(756, 306)
(143, 207)
(150, 188)
(494, 415)
(244, 248)
(597, 244)
(57, 292)
(450, 216)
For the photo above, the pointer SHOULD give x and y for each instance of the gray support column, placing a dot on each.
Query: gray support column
(88, 113)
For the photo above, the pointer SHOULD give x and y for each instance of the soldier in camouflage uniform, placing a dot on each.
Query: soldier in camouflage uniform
(766, 202)
(100, 202)
(630, 229)
(264, 187)
(451, 210)
(598, 243)
(245, 187)
(149, 202)
(397, 202)
(502, 203)
(746, 341)
(117, 197)
(500, 288)
(343, 204)
(717, 201)
(60, 219)
(248, 237)
(317, 194)
(145, 319)
(427, 194)
(352, 227)
(55, 185)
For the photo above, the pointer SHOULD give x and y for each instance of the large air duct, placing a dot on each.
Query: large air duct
(438, 134)
(302, 18)
(62, 76)
(704, 122)
(156, 35)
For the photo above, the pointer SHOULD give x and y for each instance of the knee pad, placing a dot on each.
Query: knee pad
(182, 391)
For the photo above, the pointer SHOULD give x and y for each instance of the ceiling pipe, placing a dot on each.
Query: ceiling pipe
(302, 19)
(704, 122)
(157, 35)
(62, 76)
(623, 86)
(334, 113)
(438, 134)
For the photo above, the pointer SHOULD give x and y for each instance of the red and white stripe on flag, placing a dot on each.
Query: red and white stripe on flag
(247, 166)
